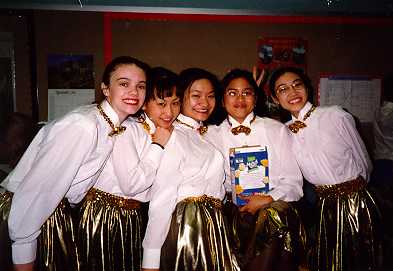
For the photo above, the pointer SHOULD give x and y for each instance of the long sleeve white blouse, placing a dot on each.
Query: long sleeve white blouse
(190, 167)
(329, 150)
(285, 178)
(65, 159)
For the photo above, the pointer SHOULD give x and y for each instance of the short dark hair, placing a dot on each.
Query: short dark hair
(122, 60)
(161, 83)
(276, 74)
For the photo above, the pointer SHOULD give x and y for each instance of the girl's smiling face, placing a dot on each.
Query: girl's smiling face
(199, 100)
(290, 92)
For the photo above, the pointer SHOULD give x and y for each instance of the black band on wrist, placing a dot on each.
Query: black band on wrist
(155, 143)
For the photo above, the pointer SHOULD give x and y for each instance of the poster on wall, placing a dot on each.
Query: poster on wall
(70, 83)
(359, 95)
(277, 52)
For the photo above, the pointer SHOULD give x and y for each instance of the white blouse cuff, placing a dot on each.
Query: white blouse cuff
(151, 258)
(24, 253)
(154, 154)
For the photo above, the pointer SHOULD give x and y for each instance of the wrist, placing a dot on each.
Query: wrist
(158, 144)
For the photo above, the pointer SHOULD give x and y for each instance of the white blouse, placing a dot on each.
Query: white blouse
(329, 150)
(285, 178)
(133, 164)
(190, 167)
(65, 159)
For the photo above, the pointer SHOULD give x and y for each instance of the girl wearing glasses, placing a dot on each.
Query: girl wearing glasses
(243, 125)
(333, 158)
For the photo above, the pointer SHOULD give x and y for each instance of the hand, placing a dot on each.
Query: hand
(24, 267)
(255, 202)
(162, 135)
(258, 79)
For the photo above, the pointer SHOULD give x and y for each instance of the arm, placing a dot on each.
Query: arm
(163, 201)
(60, 154)
(284, 170)
(347, 129)
(135, 158)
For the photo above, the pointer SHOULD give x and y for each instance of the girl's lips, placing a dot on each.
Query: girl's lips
(131, 101)
(203, 111)
(295, 100)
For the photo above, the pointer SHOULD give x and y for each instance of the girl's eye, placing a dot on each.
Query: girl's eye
(124, 84)
(142, 87)
(212, 96)
(176, 103)
(195, 96)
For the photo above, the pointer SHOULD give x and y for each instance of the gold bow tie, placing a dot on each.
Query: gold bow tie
(202, 130)
(117, 130)
(296, 126)
(241, 129)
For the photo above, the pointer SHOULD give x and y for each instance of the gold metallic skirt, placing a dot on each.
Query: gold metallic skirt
(348, 228)
(197, 238)
(272, 239)
(109, 234)
(56, 249)
(5, 241)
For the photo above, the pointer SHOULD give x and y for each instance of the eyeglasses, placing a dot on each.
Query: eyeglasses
(245, 93)
(284, 89)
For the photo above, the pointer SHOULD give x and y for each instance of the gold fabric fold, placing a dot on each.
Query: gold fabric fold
(56, 245)
(5, 241)
(348, 230)
(198, 238)
(109, 233)
(56, 249)
(272, 239)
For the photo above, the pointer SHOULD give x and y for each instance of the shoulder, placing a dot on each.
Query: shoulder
(268, 124)
(84, 118)
(333, 112)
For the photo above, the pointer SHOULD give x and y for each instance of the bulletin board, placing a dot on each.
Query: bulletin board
(360, 95)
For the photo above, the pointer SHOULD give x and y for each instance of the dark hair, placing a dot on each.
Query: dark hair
(122, 60)
(18, 131)
(161, 83)
(188, 76)
(260, 102)
(299, 72)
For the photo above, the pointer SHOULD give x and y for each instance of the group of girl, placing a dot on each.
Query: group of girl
(74, 200)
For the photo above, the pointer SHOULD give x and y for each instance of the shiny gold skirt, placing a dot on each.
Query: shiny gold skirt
(56, 249)
(272, 239)
(5, 241)
(197, 238)
(109, 234)
(348, 228)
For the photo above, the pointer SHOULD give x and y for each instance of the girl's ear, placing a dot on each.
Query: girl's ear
(275, 100)
(105, 89)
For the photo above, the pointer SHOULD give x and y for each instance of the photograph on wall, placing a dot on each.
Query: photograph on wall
(278, 52)
(70, 83)
(70, 71)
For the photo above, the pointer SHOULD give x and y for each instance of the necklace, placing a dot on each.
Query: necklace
(145, 125)
(115, 130)
(202, 129)
(297, 125)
